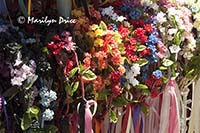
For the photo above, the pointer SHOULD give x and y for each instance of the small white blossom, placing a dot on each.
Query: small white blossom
(161, 17)
(121, 18)
(134, 81)
(48, 115)
(135, 69)
(174, 49)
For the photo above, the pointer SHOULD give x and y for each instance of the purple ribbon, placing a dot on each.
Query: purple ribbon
(5, 111)
(136, 117)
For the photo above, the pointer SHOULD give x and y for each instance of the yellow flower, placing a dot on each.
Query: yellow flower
(99, 32)
(77, 13)
(98, 42)
(94, 27)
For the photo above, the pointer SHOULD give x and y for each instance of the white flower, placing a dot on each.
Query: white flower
(171, 11)
(121, 18)
(129, 74)
(161, 17)
(48, 115)
(172, 31)
(18, 61)
(188, 55)
(45, 101)
(135, 69)
(174, 49)
(114, 16)
(17, 81)
(52, 95)
(133, 81)
(107, 11)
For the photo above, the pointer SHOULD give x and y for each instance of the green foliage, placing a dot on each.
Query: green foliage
(113, 116)
(88, 75)
(29, 115)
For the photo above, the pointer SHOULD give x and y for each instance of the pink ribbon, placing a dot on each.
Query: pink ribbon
(173, 119)
(89, 115)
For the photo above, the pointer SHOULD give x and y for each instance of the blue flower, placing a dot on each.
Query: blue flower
(157, 73)
(152, 39)
(135, 14)
(115, 28)
(125, 7)
(123, 81)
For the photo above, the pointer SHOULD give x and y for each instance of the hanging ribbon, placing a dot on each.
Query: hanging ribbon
(118, 128)
(3, 7)
(5, 112)
(89, 115)
(195, 112)
(23, 7)
(169, 116)
(151, 120)
(137, 119)
(29, 7)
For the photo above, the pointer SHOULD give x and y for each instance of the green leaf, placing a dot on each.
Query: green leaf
(141, 48)
(141, 86)
(103, 26)
(74, 87)
(162, 68)
(88, 75)
(167, 62)
(120, 101)
(142, 62)
(34, 112)
(165, 80)
(72, 72)
(68, 88)
(113, 117)
(144, 109)
(30, 81)
(36, 130)
(51, 129)
(26, 121)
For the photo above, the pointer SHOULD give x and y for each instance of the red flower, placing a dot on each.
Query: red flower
(158, 82)
(132, 41)
(145, 52)
(133, 58)
(137, 23)
(56, 38)
(55, 48)
(123, 31)
(115, 77)
(149, 82)
(68, 67)
(116, 89)
(148, 28)
(154, 92)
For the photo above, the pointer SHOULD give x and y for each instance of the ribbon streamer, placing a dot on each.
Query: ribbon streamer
(5, 112)
(3, 7)
(89, 115)
(169, 117)
(195, 113)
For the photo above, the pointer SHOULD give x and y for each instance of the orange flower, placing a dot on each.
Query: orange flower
(98, 84)
(103, 64)
(87, 60)
(121, 69)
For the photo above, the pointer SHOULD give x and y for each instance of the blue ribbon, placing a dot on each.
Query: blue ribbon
(136, 113)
